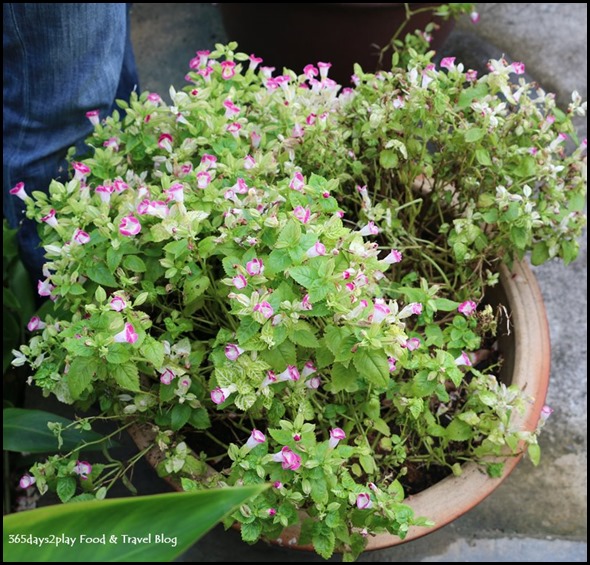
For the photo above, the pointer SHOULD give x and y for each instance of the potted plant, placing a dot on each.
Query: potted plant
(277, 280)
(343, 34)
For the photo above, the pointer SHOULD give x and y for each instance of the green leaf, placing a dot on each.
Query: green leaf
(248, 329)
(323, 539)
(138, 517)
(80, 375)
(278, 261)
(304, 337)
(527, 167)
(388, 159)
(118, 353)
(26, 430)
(373, 366)
(99, 273)
(474, 134)
(534, 452)
(153, 351)
(289, 236)
(445, 305)
(134, 264)
(458, 430)
(251, 532)
(519, 236)
(114, 257)
(280, 356)
(483, 157)
(540, 253)
(126, 376)
(199, 419)
(344, 378)
(66, 488)
(304, 275)
(340, 342)
(180, 416)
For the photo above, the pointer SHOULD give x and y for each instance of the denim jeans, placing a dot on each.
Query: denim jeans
(60, 61)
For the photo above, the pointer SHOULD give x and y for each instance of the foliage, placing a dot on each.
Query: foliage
(289, 273)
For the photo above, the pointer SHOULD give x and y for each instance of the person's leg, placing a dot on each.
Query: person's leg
(60, 61)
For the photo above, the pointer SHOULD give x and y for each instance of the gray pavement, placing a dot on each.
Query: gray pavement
(538, 514)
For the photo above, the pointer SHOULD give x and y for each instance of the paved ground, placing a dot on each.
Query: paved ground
(537, 515)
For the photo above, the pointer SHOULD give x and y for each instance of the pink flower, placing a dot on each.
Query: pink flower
(393, 257)
(467, 308)
(272, 511)
(298, 131)
(203, 179)
(240, 187)
(471, 75)
(50, 219)
(310, 71)
(306, 304)
(165, 142)
(546, 411)
(313, 383)
(81, 237)
(316, 250)
(416, 308)
(26, 481)
(297, 182)
(228, 69)
(412, 344)
(518, 68)
(154, 98)
(448, 63)
(231, 109)
(336, 434)
(120, 185)
(240, 282)
(104, 192)
(254, 62)
(269, 379)
(234, 129)
(206, 73)
(255, 267)
(255, 439)
(463, 359)
(308, 369)
(118, 304)
(369, 229)
(324, 68)
(265, 309)
(297, 437)
(83, 469)
(363, 501)
(392, 364)
(167, 376)
(302, 214)
(233, 351)
(175, 192)
(380, 311)
(81, 171)
(278, 485)
(93, 116)
(129, 226)
(19, 191)
(127, 335)
(249, 162)
(255, 139)
(220, 394)
(291, 373)
(474, 17)
(208, 161)
(112, 142)
(35, 324)
(44, 288)
(288, 458)
(310, 120)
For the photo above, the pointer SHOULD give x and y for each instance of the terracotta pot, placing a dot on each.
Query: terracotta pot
(293, 35)
(527, 357)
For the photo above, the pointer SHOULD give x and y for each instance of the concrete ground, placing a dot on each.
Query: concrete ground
(538, 514)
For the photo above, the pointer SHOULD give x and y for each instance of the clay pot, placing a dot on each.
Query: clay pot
(527, 357)
(293, 35)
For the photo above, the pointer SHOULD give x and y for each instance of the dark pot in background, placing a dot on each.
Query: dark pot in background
(294, 35)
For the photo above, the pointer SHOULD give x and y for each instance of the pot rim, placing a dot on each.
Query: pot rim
(530, 373)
